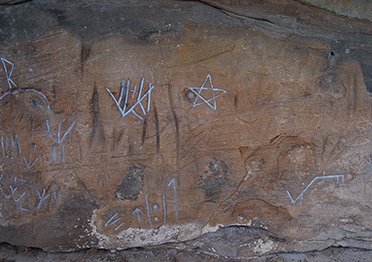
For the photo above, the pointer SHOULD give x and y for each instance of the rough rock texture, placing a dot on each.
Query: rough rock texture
(12, 2)
(139, 123)
(361, 9)
(165, 253)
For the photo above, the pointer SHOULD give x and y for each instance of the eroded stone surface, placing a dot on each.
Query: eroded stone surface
(356, 8)
(132, 184)
(257, 116)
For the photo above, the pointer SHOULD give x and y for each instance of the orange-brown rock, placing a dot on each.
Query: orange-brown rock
(130, 124)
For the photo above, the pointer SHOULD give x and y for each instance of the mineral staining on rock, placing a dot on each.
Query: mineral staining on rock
(132, 184)
(215, 178)
(163, 133)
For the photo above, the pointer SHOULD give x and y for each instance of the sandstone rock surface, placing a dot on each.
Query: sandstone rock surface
(139, 123)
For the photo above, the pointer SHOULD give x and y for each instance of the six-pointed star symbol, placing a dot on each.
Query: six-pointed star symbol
(211, 102)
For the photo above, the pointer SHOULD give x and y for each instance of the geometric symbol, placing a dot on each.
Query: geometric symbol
(173, 184)
(137, 213)
(30, 162)
(8, 72)
(216, 92)
(27, 90)
(43, 197)
(124, 108)
(301, 195)
(59, 139)
(156, 208)
(114, 220)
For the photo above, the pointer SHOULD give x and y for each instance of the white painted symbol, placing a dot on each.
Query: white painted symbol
(17, 144)
(56, 196)
(211, 102)
(58, 139)
(17, 200)
(148, 210)
(13, 190)
(43, 197)
(26, 90)
(164, 208)
(113, 220)
(12, 194)
(9, 144)
(22, 209)
(173, 185)
(5, 195)
(30, 162)
(3, 146)
(338, 178)
(16, 180)
(8, 72)
(137, 213)
(156, 208)
(124, 107)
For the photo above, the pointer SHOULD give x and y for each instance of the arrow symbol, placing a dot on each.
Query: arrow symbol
(137, 213)
(173, 184)
(29, 162)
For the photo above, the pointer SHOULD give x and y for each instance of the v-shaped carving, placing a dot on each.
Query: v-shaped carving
(124, 107)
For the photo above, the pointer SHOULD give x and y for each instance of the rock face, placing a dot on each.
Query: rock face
(139, 123)
(356, 8)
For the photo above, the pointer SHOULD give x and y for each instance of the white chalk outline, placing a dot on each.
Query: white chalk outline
(321, 178)
(164, 199)
(29, 162)
(12, 194)
(22, 209)
(123, 108)
(198, 90)
(113, 220)
(155, 207)
(8, 75)
(14, 180)
(42, 198)
(58, 140)
(173, 184)
(137, 213)
(148, 211)
(25, 90)
(8, 147)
